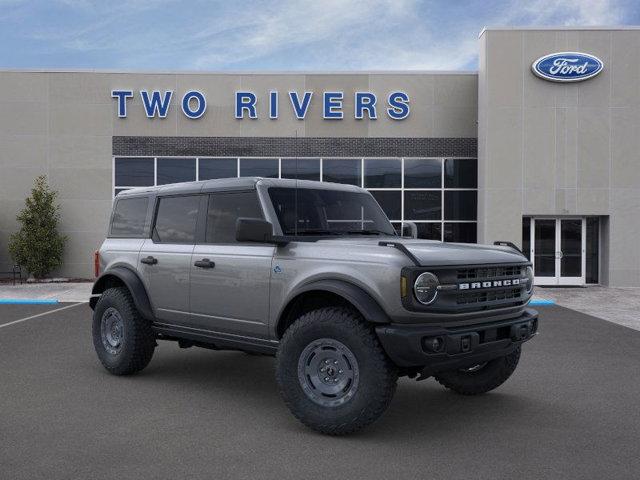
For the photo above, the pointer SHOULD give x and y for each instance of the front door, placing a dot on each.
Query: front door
(558, 250)
(230, 280)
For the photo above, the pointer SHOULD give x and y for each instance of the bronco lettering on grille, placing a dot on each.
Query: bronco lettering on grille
(491, 284)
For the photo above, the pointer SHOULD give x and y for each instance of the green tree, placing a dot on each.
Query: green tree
(38, 246)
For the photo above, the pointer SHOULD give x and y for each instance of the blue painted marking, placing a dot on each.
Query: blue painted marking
(277, 269)
(542, 302)
(26, 301)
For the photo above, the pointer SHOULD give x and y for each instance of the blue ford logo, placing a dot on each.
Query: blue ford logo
(567, 66)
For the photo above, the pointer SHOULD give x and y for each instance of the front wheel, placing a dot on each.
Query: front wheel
(480, 378)
(332, 372)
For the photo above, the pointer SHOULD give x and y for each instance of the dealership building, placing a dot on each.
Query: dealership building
(539, 147)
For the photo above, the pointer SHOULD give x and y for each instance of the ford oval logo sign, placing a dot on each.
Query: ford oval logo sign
(567, 66)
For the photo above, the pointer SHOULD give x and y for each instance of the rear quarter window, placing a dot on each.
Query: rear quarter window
(129, 215)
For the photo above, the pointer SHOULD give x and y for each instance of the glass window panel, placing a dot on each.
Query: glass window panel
(422, 205)
(593, 240)
(430, 231)
(176, 170)
(391, 203)
(301, 168)
(134, 172)
(382, 173)
(460, 205)
(422, 173)
(341, 171)
(460, 173)
(397, 226)
(307, 211)
(460, 232)
(224, 209)
(129, 216)
(176, 219)
(545, 248)
(571, 248)
(526, 237)
(211, 168)
(259, 167)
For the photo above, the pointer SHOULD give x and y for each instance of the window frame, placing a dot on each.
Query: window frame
(322, 159)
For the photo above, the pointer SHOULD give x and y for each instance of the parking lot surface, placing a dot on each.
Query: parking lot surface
(571, 410)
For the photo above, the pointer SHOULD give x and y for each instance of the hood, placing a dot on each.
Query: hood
(434, 253)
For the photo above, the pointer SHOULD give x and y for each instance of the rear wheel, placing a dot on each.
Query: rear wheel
(480, 378)
(332, 371)
(122, 339)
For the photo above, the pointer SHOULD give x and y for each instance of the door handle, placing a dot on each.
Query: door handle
(204, 263)
(149, 260)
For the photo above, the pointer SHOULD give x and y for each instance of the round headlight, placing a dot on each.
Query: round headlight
(529, 274)
(426, 288)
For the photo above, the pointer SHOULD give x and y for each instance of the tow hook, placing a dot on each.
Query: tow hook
(520, 332)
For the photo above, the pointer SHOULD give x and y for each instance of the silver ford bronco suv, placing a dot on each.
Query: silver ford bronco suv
(314, 274)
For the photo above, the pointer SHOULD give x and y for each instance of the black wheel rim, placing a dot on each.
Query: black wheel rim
(328, 372)
(112, 330)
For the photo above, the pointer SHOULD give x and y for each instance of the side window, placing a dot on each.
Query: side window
(176, 219)
(128, 219)
(224, 209)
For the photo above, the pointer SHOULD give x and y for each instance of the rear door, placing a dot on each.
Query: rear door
(230, 280)
(165, 259)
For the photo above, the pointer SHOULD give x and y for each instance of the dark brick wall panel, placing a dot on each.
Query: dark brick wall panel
(292, 147)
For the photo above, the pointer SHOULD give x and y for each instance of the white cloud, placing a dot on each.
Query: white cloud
(386, 35)
(305, 34)
(569, 12)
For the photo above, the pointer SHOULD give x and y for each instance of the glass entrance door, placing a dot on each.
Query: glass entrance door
(558, 250)
(544, 251)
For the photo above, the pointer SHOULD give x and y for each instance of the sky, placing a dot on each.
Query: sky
(278, 35)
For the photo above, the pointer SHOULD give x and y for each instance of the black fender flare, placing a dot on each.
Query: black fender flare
(368, 307)
(132, 281)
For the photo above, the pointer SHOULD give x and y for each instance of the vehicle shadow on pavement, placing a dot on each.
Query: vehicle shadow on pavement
(419, 409)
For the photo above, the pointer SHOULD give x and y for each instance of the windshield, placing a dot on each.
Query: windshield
(307, 211)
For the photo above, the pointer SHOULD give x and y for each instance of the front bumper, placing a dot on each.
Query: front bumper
(455, 347)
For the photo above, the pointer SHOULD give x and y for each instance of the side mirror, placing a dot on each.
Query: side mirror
(409, 230)
(254, 230)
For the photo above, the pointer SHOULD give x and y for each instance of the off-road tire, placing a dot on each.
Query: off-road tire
(487, 378)
(377, 375)
(138, 341)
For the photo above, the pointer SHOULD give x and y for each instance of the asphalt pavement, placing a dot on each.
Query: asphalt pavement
(571, 410)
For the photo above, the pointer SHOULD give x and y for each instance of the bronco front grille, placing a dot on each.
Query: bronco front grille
(472, 288)
(467, 298)
(485, 273)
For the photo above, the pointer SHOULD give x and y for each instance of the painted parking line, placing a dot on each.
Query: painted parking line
(542, 302)
(28, 301)
(41, 314)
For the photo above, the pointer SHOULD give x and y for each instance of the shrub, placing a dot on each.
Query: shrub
(38, 246)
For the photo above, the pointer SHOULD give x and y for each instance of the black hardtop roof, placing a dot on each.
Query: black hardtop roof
(235, 183)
